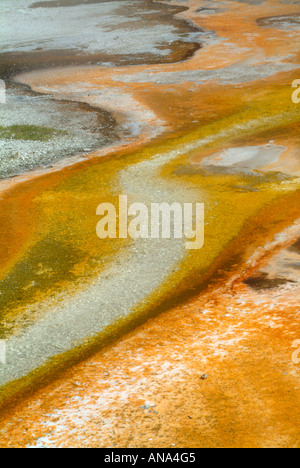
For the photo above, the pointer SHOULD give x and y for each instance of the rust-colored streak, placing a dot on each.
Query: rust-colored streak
(148, 391)
(216, 369)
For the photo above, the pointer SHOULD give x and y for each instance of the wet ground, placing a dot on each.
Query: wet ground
(148, 389)
(108, 33)
(217, 127)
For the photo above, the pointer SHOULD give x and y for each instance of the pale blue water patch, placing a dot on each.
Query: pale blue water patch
(245, 157)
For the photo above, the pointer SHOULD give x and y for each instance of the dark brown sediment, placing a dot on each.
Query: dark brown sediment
(296, 247)
(12, 64)
(280, 21)
(261, 282)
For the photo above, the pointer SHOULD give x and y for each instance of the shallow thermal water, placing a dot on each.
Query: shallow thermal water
(282, 22)
(251, 157)
(99, 27)
(93, 30)
(77, 129)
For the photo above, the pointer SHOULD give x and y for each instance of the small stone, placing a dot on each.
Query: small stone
(203, 377)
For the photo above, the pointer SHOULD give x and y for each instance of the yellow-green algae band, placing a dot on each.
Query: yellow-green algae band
(250, 238)
(73, 226)
(81, 193)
